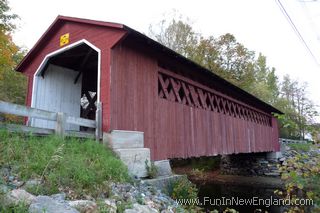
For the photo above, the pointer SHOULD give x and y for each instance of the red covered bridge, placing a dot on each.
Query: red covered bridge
(183, 109)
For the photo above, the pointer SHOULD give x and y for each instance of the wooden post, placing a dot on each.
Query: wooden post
(99, 121)
(28, 123)
(60, 125)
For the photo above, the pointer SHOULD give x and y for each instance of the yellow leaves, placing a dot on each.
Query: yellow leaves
(315, 170)
(284, 176)
(12, 84)
(230, 211)
(310, 194)
(7, 51)
(278, 192)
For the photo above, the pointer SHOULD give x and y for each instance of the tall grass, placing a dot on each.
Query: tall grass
(83, 166)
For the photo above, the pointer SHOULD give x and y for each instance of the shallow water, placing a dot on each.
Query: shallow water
(251, 198)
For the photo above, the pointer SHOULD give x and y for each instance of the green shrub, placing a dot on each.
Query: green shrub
(301, 174)
(20, 208)
(123, 205)
(300, 146)
(184, 189)
(152, 170)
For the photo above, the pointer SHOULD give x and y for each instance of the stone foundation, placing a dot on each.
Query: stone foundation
(252, 164)
(135, 159)
(163, 168)
(129, 146)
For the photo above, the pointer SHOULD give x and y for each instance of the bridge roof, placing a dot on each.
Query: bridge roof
(156, 46)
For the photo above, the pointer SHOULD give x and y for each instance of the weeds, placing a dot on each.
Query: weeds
(123, 205)
(20, 208)
(152, 170)
(73, 165)
(55, 158)
(184, 189)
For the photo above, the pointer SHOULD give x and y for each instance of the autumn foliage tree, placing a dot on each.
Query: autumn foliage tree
(12, 84)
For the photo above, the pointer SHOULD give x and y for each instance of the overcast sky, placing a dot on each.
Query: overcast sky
(259, 25)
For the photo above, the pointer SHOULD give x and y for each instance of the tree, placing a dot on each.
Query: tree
(177, 35)
(206, 54)
(223, 56)
(236, 61)
(266, 83)
(299, 108)
(12, 84)
(231, 60)
(6, 17)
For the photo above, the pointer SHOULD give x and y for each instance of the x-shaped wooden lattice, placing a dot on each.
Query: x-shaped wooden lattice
(177, 90)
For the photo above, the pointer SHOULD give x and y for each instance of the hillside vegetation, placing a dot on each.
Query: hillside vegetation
(77, 167)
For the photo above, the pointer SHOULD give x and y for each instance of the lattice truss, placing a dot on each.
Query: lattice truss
(177, 90)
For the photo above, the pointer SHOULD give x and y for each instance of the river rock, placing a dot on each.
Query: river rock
(167, 211)
(111, 205)
(17, 196)
(130, 211)
(32, 183)
(49, 205)
(272, 174)
(137, 208)
(84, 206)
(282, 159)
(5, 171)
(4, 189)
(59, 197)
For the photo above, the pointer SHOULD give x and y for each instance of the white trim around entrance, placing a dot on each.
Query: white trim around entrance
(54, 53)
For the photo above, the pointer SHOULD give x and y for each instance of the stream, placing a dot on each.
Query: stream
(211, 194)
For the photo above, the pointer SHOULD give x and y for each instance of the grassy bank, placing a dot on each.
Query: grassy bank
(78, 167)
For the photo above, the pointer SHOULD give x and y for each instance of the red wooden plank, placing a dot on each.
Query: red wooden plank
(174, 129)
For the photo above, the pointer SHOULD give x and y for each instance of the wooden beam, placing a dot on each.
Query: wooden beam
(60, 124)
(81, 121)
(98, 132)
(187, 94)
(79, 134)
(81, 69)
(45, 68)
(26, 129)
(91, 103)
(176, 87)
(164, 86)
(15, 109)
(194, 96)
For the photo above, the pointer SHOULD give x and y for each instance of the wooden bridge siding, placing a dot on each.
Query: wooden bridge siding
(103, 38)
(275, 134)
(133, 93)
(174, 130)
(209, 134)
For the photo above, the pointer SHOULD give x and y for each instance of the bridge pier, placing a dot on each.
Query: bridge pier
(129, 146)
